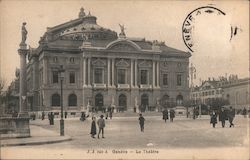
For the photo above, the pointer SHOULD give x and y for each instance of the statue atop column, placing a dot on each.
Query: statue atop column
(24, 34)
(122, 34)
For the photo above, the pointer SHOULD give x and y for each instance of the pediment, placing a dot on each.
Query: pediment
(145, 64)
(123, 47)
(98, 62)
(122, 63)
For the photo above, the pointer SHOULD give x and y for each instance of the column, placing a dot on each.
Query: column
(132, 73)
(45, 71)
(84, 71)
(153, 74)
(109, 72)
(113, 72)
(23, 110)
(89, 60)
(158, 75)
(136, 73)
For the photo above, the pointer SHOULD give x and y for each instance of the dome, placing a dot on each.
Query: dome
(87, 29)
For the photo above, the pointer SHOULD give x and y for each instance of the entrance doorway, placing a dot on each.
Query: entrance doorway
(179, 100)
(144, 102)
(122, 102)
(99, 102)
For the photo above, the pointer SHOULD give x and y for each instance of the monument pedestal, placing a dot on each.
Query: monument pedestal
(14, 127)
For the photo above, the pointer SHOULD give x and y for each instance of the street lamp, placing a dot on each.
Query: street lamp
(192, 72)
(61, 73)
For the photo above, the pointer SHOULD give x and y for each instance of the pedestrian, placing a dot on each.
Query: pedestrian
(101, 125)
(222, 117)
(231, 115)
(141, 122)
(106, 113)
(110, 113)
(65, 114)
(83, 116)
(244, 112)
(51, 118)
(165, 115)
(93, 128)
(172, 115)
(43, 115)
(213, 118)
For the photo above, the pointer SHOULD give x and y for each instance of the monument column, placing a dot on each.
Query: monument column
(22, 121)
(23, 110)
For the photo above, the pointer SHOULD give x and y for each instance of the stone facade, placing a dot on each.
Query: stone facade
(103, 69)
(232, 89)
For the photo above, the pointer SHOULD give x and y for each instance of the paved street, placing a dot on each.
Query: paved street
(124, 133)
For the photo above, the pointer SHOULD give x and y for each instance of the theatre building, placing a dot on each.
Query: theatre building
(102, 68)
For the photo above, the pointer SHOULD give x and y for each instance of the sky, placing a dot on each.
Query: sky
(214, 53)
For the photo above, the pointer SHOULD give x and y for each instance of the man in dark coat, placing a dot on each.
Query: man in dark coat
(172, 115)
(165, 115)
(244, 112)
(141, 122)
(93, 128)
(43, 115)
(231, 115)
(222, 117)
(213, 118)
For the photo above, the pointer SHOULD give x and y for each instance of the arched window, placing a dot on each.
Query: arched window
(72, 100)
(55, 100)
(179, 100)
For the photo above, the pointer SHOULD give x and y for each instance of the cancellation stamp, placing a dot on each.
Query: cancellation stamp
(190, 23)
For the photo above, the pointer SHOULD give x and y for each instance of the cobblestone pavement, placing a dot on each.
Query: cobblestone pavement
(188, 135)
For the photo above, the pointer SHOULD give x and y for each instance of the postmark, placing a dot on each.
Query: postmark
(189, 23)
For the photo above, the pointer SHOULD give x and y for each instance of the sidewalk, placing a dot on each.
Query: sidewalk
(39, 136)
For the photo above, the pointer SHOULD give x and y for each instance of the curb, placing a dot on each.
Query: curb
(67, 138)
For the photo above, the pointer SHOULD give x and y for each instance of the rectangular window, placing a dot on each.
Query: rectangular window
(71, 77)
(55, 77)
(178, 79)
(165, 79)
(98, 75)
(121, 76)
(144, 77)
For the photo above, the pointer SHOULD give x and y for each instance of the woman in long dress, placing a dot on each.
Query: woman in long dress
(93, 128)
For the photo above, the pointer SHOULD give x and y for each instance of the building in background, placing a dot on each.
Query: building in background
(231, 90)
(103, 68)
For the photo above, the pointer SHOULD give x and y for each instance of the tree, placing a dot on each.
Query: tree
(217, 103)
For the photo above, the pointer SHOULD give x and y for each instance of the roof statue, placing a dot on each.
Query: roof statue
(81, 13)
(122, 34)
(24, 33)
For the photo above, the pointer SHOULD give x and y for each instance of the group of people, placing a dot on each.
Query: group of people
(101, 126)
(223, 116)
(171, 115)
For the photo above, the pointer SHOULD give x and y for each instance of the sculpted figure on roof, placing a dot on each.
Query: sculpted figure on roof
(24, 33)
(122, 29)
